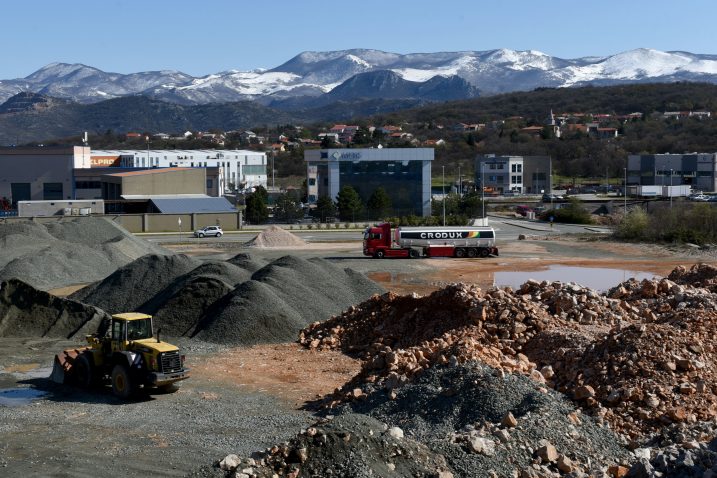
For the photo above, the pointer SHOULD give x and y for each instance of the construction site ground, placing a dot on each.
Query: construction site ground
(241, 400)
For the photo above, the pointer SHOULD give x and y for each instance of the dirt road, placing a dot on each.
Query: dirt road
(241, 400)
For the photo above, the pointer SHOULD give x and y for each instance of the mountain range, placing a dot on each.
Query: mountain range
(312, 79)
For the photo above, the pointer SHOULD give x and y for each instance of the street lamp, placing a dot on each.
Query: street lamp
(482, 187)
(272, 170)
(147, 138)
(443, 188)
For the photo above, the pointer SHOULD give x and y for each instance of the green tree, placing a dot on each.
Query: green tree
(256, 211)
(326, 142)
(325, 207)
(287, 208)
(379, 204)
(349, 203)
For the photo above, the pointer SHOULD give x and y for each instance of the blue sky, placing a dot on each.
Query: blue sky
(206, 37)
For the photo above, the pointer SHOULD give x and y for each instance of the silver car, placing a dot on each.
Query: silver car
(215, 231)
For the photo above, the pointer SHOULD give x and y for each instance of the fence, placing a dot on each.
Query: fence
(229, 221)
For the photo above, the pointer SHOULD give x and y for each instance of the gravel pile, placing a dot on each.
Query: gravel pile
(682, 450)
(233, 302)
(484, 421)
(131, 286)
(246, 261)
(67, 251)
(28, 312)
(274, 236)
(281, 298)
(348, 446)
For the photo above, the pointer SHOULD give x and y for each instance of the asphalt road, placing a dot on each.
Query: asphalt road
(504, 228)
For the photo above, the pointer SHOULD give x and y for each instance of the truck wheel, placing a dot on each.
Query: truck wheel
(82, 372)
(460, 252)
(484, 252)
(414, 254)
(379, 255)
(472, 252)
(122, 385)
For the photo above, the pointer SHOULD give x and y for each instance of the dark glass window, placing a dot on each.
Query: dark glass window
(51, 191)
(402, 181)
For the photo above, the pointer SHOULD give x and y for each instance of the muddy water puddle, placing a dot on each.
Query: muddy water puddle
(18, 397)
(598, 278)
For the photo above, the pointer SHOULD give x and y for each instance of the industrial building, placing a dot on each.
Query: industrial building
(241, 169)
(404, 173)
(40, 173)
(514, 174)
(698, 170)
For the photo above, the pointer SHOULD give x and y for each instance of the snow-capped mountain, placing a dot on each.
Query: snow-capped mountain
(315, 74)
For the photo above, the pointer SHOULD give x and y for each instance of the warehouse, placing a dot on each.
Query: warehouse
(698, 170)
(404, 173)
(40, 173)
(241, 169)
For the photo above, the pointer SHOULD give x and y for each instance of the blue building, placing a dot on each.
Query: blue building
(404, 173)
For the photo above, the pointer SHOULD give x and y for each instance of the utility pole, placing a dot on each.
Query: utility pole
(459, 182)
(443, 182)
(671, 172)
(624, 191)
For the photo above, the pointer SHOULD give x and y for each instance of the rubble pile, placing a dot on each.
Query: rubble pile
(399, 337)
(350, 446)
(638, 357)
(699, 275)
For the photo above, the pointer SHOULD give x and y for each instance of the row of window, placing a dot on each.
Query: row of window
(514, 179)
(514, 168)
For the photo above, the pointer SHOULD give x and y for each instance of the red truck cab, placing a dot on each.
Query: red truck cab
(377, 242)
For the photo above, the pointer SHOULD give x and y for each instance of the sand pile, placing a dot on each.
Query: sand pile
(29, 312)
(274, 236)
(67, 251)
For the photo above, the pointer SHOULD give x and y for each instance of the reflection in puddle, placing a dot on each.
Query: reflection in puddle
(593, 277)
(17, 397)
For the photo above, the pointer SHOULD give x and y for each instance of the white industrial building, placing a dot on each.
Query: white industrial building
(242, 169)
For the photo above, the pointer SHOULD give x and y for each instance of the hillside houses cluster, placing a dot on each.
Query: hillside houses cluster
(601, 126)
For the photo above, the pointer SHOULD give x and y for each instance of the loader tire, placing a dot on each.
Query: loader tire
(122, 385)
(82, 372)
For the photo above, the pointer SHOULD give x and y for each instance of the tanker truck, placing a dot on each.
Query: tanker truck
(380, 241)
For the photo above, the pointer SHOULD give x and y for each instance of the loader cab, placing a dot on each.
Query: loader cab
(129, 327)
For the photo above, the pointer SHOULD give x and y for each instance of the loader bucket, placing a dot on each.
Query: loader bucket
(62, 365)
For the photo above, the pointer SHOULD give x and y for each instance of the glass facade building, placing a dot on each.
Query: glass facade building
(404, 173)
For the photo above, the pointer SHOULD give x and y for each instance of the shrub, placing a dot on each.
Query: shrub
(633, 225)
(347, 225)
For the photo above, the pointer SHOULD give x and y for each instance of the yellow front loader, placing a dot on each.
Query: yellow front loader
(125, 353)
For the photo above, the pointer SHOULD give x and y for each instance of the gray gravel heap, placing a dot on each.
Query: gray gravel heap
(448, 407)
(29, 312)
(67, 251)
(281, 298)
(247, 261)
(684, 450)
(131, 286)
(348, 446)
(230, 302)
